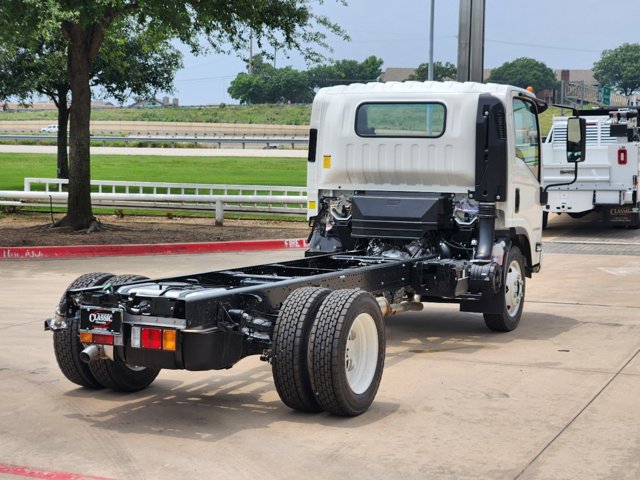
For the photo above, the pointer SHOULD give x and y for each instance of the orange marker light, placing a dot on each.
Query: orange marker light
(169, 340)
(86, 337)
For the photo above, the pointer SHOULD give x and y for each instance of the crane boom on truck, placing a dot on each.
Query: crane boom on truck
(418, 193)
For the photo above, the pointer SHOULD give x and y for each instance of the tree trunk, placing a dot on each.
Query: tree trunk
(63, 120)
(79, 213)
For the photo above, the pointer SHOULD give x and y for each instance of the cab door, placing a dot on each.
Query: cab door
(525, 173)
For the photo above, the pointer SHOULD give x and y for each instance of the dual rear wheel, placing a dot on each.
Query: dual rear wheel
(328, 351)
(100, 373)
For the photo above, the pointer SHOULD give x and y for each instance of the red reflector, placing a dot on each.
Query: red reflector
(151, 338)
(103, 339)
(622, 156)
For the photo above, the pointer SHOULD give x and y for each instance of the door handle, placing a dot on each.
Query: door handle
(517, 200)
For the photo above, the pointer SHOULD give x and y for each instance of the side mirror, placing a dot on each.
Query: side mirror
(576, 139)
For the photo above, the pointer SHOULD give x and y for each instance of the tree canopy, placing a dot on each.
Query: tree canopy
(224, 26)
(441, 71)
(131, 62)
(344, 72)
(620, 68)
(267, 84)
(525, 72)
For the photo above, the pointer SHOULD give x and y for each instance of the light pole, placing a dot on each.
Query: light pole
(430, 74)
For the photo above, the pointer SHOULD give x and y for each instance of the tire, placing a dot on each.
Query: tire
(513, 290)
(66, 342)
(346, 352)
(117, 374)
(291, 345)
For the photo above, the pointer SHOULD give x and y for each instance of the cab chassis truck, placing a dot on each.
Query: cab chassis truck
(418, 192)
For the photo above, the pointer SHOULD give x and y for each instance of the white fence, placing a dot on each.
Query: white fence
(254, 199)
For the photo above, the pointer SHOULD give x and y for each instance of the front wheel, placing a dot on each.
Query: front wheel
(513, 284)
(346, 352)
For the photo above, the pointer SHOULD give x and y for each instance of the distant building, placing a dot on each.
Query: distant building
(396, 74)
(154, 103)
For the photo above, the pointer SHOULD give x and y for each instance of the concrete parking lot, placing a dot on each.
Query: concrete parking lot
(555, 399)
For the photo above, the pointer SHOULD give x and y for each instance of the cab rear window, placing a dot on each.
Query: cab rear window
(416, 119)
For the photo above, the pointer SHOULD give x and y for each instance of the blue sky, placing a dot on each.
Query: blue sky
(560, 33)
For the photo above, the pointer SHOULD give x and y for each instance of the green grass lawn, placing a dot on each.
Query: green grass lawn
(149, 168)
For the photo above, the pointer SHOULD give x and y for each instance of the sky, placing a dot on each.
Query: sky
(561, 33)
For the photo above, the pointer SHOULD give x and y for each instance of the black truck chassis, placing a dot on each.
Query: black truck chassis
(211, 320)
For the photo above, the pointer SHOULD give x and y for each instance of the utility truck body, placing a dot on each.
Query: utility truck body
(608, 179)
(418, 193)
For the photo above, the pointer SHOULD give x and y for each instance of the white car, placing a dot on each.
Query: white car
(50, 129)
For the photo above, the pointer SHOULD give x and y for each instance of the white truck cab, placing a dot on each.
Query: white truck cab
(442, 169)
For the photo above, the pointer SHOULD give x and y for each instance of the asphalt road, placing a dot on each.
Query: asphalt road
(556, 399)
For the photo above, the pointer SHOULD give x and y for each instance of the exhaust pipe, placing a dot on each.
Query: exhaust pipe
(92, 352)
(392, 308)
(486, 227)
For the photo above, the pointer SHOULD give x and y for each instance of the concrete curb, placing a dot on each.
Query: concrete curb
(71, 251)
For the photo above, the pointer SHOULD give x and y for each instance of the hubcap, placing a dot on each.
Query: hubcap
(361, 355)
(514, 290)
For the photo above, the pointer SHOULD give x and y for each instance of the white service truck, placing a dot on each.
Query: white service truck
(608, 179)
(418, 193)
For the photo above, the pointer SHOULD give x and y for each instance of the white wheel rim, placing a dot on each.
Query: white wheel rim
(361, 356)
(514, 288)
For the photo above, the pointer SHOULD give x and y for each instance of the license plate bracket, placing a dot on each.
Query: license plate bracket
(101, 320)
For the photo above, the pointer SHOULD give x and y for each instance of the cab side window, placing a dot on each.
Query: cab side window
(527, 138)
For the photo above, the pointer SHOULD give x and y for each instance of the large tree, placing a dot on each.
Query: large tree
(441, 71)
(131, 62)
(525, 72)
(343, 72)
(281, 23)
(620, 68)
(267, 84)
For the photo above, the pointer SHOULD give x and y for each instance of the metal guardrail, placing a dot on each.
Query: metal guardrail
(270, 142)
(254, 199)
(580, 94)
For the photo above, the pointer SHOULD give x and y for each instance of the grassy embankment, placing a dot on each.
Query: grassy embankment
(247, 114)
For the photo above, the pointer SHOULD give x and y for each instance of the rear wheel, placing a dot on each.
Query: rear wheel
(117, 374)
(346, 352)
(513, 284)
(66, 342)
(290, 346)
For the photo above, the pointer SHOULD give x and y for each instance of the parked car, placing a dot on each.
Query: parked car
(50, 129)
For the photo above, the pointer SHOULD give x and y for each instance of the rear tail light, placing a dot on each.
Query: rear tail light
(103, 339)
(141, 337)
(100, 339)
(622, 156)
(153, 338)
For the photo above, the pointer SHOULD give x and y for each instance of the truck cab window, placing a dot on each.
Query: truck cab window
(527, 137)
(422, 120)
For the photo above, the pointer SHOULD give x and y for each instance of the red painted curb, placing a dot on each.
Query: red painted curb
(16, 253)
(29, 472)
